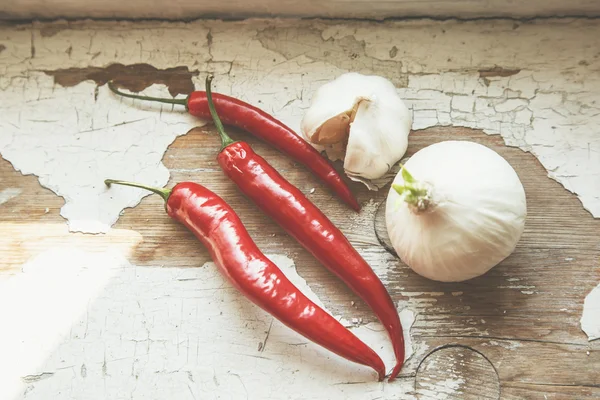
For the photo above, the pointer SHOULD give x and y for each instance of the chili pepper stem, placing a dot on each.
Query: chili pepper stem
(225, 139)
(182, 102)
(164, 193)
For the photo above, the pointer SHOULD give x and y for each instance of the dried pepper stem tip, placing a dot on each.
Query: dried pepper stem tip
(114, 89)
(164, 193)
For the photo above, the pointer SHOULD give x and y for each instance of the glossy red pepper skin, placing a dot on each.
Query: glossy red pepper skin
(232, 249)
(288, 206)
(264, 126)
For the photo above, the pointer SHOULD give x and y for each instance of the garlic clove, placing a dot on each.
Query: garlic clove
(362, 120)
(330, 100)
(334, 130)
(363, 152)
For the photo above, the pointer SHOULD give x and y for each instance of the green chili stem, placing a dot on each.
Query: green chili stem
(225, 139)
(182, 102)
(164, 193)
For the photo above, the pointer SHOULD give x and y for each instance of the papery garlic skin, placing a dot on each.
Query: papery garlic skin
(474, 220)
(364, 114)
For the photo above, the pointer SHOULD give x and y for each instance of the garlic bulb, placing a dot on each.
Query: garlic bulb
(362, 120)
(455, 210)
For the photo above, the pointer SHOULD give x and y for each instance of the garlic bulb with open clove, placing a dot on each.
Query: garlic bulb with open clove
(362, 120)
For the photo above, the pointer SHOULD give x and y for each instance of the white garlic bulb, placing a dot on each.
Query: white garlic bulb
(455, 210)
(362, 120)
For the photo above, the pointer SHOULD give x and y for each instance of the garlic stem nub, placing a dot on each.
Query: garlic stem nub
(415, 193)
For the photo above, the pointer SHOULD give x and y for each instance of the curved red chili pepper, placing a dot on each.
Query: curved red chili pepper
(264, 126)
(291, 209)
(232, 249)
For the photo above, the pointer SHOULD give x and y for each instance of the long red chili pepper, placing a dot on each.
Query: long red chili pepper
(264, 126)
(288, 206)
(219, 228)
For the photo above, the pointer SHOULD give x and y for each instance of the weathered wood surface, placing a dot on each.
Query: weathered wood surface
(359, 9)
(521, 320)
(523, 316)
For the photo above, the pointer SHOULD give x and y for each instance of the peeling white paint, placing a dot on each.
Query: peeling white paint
(41, 305)
(99, 327)
(9, 194)
(441, 390)
(72, 141)
(518, 286)
(73, 151)
(420, 295)
(564, 141)
(557, 87)
(506, 344)
(453, 384)
(590, 318)
(407, 318)
(176, 333)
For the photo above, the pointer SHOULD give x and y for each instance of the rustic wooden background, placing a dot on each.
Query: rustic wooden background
(359, 9)
(512, 334)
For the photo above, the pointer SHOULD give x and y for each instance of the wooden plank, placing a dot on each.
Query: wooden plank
(533, 370)
(359, 9)
(547, 392)
(523, 315)
(457, 372)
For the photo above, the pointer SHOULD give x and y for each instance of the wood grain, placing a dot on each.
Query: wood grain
(457, 372)
(188, 9)
(523, 315)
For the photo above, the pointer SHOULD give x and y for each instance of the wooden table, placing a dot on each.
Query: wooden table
(159, 322)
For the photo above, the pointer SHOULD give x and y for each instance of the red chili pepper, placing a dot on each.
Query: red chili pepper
(288, 206)
(264, 126)
(219, 228)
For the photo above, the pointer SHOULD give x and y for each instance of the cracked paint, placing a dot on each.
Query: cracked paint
(510, 101)
(178, 332)
(136, 77)
(535, 85)
(346, 53)
(74, 151)
(165, 333)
